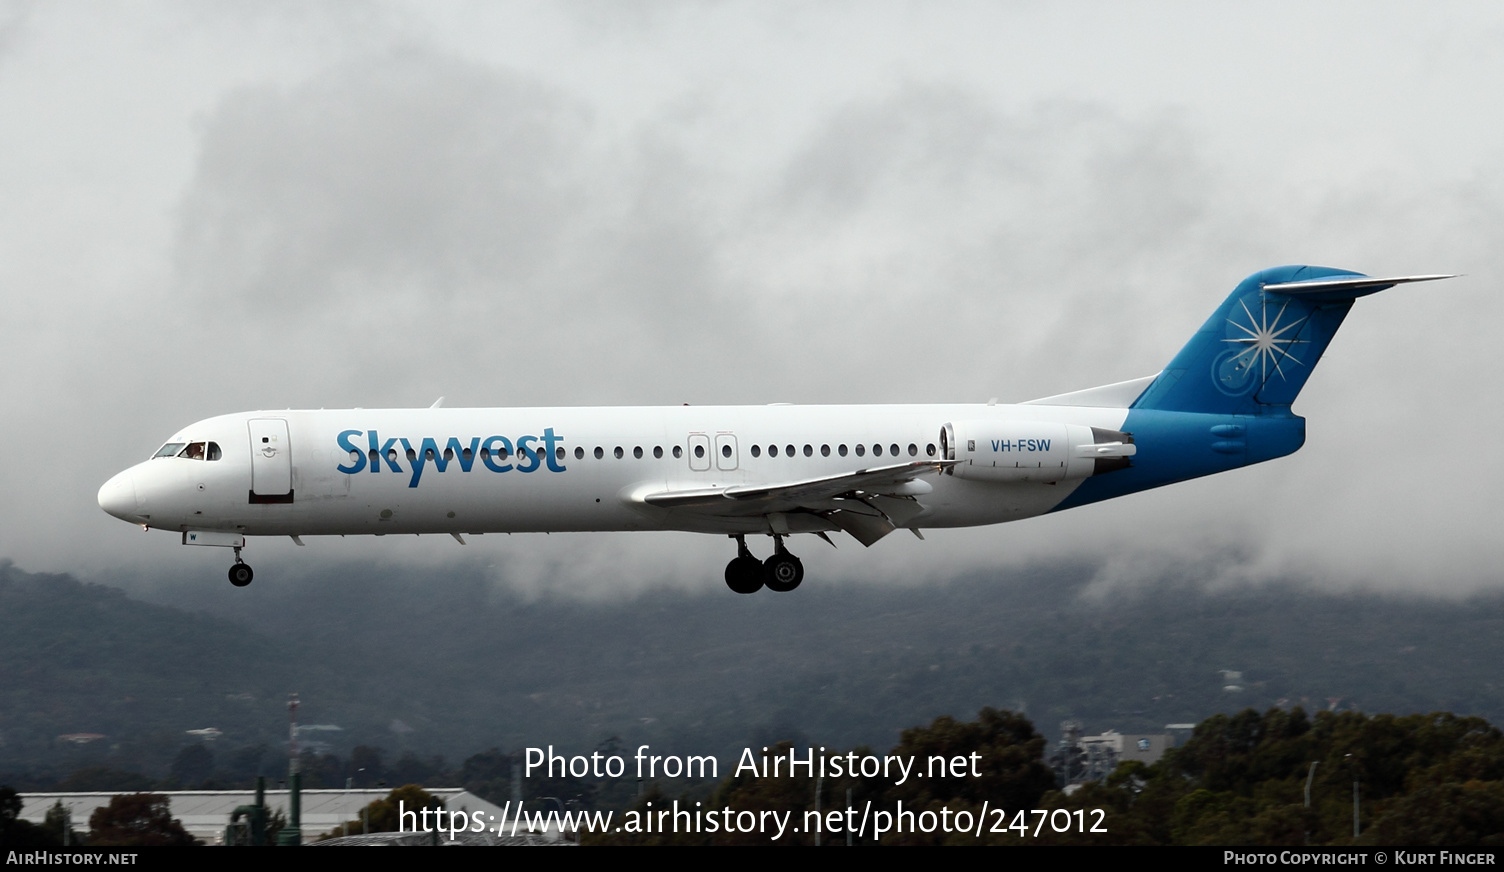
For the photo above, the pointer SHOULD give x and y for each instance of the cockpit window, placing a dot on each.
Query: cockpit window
(191, 450)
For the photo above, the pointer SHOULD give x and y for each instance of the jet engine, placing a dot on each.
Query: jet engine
(1033, 451)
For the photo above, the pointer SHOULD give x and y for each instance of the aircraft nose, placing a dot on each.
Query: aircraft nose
(118, 497)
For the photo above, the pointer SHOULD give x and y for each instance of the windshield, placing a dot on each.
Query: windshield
(171, 449)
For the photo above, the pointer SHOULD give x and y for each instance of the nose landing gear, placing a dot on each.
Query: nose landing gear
(240, 573)
(781, 572)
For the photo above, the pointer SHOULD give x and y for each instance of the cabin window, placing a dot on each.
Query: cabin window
(877, 451)
(756, 450)
(559, 452)
(789, 450)
(772, 450)
(579, 453)
(841, 449)
(448, 454)
(658, 452)
(860, 449)
(599, 452)
(893, 449)
(725, 450)
(809, 450)
(619, 453)
(824, 450)
(699, 451)
(913, 450)
(468, 455)
(678, 452)
(930, 449)
(637, 452)
(411, 455)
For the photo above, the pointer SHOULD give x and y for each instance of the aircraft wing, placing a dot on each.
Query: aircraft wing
(867, 503)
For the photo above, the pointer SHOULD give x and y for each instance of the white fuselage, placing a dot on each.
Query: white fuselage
(367, 471)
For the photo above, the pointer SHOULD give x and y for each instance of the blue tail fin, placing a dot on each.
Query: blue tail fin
(1254, 354)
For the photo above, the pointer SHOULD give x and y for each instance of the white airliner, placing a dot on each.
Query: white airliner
(1223, 402)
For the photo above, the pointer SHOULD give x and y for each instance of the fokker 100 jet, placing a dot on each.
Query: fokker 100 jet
(1223, 402)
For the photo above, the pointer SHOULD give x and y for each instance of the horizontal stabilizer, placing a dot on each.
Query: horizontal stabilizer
(1347, 286)
(1256, 351)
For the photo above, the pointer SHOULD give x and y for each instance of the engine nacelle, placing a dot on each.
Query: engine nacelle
(1033, 451)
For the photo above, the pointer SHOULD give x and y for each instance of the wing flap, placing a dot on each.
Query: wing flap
(867, 503)
(896, 479)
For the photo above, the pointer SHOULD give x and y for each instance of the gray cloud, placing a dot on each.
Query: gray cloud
(377, 219)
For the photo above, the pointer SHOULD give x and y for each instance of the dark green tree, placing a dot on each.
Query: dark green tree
(59, 820)
(18, 833)
(384, 815)
(136, 819)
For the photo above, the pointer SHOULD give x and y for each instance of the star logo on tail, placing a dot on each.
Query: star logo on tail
(1266, 344)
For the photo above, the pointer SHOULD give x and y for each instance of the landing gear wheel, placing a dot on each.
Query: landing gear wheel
(744, 574)
(782, 572)
(241, 574)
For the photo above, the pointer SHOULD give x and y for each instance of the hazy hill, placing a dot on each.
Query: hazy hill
(452, 665)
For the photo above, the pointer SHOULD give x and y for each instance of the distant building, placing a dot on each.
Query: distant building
(1079, 759)
(1145, 748)
(205, 813)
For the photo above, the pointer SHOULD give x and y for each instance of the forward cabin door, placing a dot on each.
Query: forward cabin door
(271, 461)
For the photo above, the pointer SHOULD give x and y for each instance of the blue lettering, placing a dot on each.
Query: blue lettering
(493, 451)
(466, 455)
(486, 454)
(382, 453)
(531, 454)
(358, 458)
(429, 449)
(548, 441)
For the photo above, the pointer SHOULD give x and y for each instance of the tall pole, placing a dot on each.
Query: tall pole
(1355, 806)
(1354, 764)
(819, 782)
(292, 834)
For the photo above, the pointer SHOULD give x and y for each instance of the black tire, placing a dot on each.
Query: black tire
(744, 575)
(782, 572)
(241, 574)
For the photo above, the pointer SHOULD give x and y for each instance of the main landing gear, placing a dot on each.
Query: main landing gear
(240, 573)
(746, 574)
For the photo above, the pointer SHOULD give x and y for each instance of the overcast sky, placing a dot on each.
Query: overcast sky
(210, 208)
